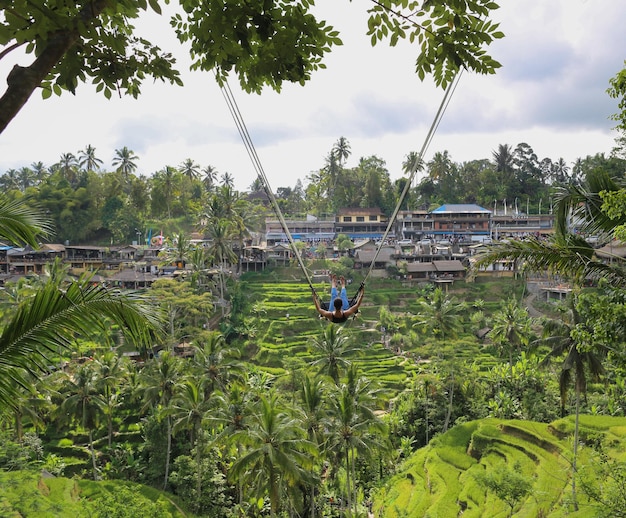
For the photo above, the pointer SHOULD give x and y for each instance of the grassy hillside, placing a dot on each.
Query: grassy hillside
(26, 493)
(444, 478)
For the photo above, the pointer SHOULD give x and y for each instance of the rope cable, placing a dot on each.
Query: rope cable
(258, 166)
(416, 165)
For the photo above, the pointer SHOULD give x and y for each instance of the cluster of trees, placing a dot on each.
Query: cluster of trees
(90, 205)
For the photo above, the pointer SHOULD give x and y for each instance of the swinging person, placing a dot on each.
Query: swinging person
(339, 304)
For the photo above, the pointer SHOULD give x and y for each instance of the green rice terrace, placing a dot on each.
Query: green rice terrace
(529, 464)
(286, 322)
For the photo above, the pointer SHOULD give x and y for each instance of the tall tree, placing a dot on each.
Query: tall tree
(84, 404)
(341, 150)
(565, 337)
(87, 159)
(277, 456)
(190, 169)
(125, 161)
(161, 376)
(333, 347)
(511, 328)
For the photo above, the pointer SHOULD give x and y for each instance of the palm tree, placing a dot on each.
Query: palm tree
(341, 150)
(441, 315)
(228, 179)
(439, 166)
(277, 454)
(312, 399)
(216, 363)
(231, 417)
(87, 159)
(567, 254)
(511, 328)
(564, 339)
(161, 377)
(190, 169)
(125, 161)
(40, 171)
(333, 347)
(220, 234)
(189, 409)
(26, 178)
(209, 177)
(67, 165)
(84, 404)
(110, 373)
(9, 180)
(503, 158)
(353, 426)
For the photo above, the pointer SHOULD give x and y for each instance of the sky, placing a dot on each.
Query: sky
(557, 58)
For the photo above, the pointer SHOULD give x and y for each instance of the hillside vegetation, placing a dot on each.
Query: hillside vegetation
(446, 478)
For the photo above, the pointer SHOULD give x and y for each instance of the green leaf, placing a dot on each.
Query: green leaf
(154, 4)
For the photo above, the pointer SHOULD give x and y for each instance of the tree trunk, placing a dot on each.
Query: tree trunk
(22, 81)
(446, 423)
(575, 450)
(93, 455)
(168, 452)
(19, 427)
(199, 469)
(349, 491)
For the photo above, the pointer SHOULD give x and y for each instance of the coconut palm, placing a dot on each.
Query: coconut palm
(341, 150)
(40, 171)
(161, 376)
(313, 408)
(333, 347)
(209, 177)
(110, 373)
(84, 404)
(353, 427)
(26, 178)
(190, 169)
(189, 410)
(67, 165)
(441, 315)
(511, 328)
(278, 455)
(125, 161)
(503, 158)
(216, 363)
(9, 180)
(87, 159)
(227, 179)
(232, 415)
(564, 339)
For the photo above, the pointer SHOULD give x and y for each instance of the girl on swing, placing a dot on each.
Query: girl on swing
(339, 305)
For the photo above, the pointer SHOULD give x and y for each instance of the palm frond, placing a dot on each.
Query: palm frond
(567, 255)
(19, 223)
(585, 204)
(51, 320)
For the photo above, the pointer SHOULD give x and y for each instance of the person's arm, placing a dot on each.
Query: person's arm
(353, 309)
(324, 313)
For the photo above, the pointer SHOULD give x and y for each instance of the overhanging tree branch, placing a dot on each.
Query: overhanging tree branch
(22, 81)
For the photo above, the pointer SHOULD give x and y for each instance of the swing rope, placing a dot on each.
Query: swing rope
(417, 162)
(258, 166)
